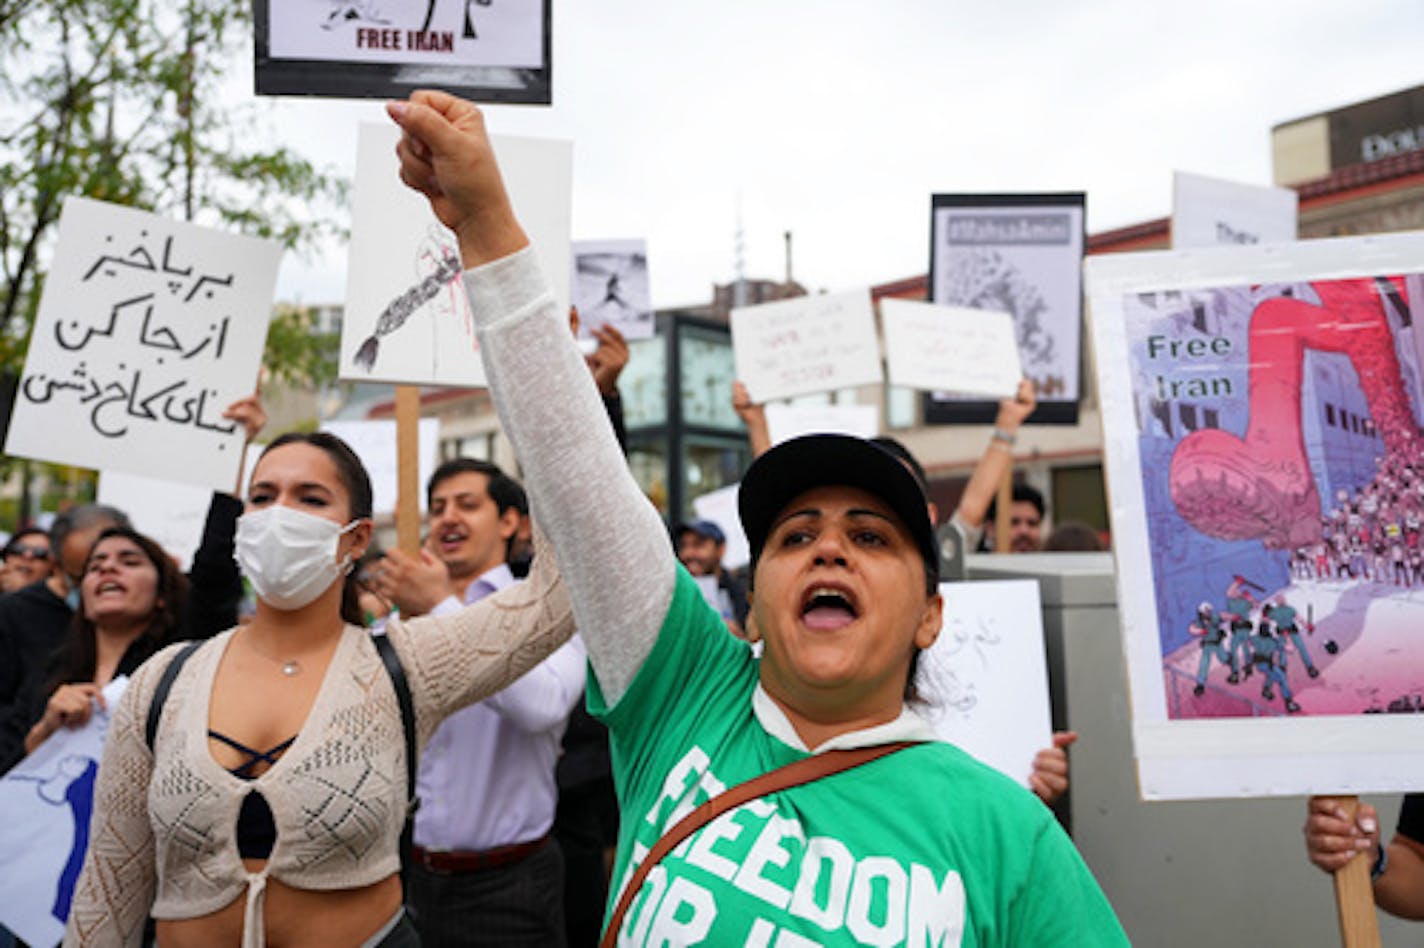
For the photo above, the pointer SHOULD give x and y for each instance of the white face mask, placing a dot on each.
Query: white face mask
(290, 556)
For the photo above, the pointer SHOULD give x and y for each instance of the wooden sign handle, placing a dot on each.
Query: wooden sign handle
(1003, 512)
(1354, 892)
(408, 468)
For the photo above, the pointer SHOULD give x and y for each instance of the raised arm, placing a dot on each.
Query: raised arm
(215, 582)
(617, 562)
(753, 415)
(998, 457)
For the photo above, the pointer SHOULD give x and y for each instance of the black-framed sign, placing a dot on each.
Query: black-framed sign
(485, 50)
(1022, 254)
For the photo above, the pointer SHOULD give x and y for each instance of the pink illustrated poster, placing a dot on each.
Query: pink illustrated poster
(1282, 468)
(1262, 413)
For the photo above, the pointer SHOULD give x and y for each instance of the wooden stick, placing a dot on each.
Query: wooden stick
(1003, 511)
(408, 468)
(1354, 892)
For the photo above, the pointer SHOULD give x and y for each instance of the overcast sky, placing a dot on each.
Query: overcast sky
(836, 119)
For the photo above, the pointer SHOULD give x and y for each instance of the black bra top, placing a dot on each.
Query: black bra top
(256, 830)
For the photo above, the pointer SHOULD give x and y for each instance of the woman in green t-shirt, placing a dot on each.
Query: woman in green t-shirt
(923, 846)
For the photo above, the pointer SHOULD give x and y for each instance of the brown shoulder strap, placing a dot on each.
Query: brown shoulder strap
(794, 774)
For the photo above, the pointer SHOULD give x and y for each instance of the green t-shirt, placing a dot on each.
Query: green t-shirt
(923, 847)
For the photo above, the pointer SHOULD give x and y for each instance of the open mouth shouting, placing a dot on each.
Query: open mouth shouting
(450, 540)
(109, 586)
(826, 607)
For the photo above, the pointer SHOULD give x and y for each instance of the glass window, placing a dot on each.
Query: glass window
(643, 383)
(710, 463)
(649, 463)
(900, 406)
(480, 447)
(708, 370)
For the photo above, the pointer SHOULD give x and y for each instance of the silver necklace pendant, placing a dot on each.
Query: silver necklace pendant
(291, 668)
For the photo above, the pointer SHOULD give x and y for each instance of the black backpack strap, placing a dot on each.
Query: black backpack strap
(392, 661)
(160, 694)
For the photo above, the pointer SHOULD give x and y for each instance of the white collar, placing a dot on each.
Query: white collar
(909, 726)
(492, 580)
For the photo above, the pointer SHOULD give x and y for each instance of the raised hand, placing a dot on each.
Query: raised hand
(1049, 779)
(607, 361)
(445, 154)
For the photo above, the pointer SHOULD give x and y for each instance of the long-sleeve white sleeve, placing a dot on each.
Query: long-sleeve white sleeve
(613, 549)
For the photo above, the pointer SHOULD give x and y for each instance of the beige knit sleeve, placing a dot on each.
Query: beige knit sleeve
(455, 660)
(116, 887)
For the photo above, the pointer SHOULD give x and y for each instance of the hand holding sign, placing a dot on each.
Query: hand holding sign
(147, 328)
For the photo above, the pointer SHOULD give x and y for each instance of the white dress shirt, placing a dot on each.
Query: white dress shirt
(486, 778)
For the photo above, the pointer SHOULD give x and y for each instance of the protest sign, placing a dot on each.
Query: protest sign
(786, 421)
(1022, 254)
(407, 313)
(986, 679)
(720, 507)
(1209, 212)
(806, 344)
(950, 349)
(375, 444)
(47, 799)
(1266, 483)
(486, 50)
(610, 286)
(147, 331)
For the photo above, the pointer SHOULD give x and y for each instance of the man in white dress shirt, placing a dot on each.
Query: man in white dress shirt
(483, 869)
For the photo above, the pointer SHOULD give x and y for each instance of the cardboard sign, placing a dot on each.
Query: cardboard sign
(610, 287)
(806, 344)
(375, 444)
(1263, 406)
(484, 50)
(986, 679)
(48, 799)
(720, 506)
(170, 514)
(1021, 254)
(407, 313)
(423, 32)
(950, 349)
(1210, 212)
(147, 331)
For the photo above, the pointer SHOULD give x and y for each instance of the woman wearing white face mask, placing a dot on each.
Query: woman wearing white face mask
(271, 802)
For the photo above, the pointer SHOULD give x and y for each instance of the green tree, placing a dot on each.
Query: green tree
(121, 100)
(298, 355)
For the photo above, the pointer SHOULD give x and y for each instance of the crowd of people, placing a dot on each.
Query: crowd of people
(564, 701)
(1371, 533)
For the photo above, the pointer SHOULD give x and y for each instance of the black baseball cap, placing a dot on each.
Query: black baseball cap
(793, 467)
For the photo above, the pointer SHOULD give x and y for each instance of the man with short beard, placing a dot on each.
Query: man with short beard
(483, 869)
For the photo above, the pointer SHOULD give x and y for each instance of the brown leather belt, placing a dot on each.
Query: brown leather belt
(461, 860)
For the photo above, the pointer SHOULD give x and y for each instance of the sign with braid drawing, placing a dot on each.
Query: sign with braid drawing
(1262, 410)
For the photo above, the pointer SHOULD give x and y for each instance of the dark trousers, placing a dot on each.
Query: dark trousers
(586, 825)
(521, 904)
